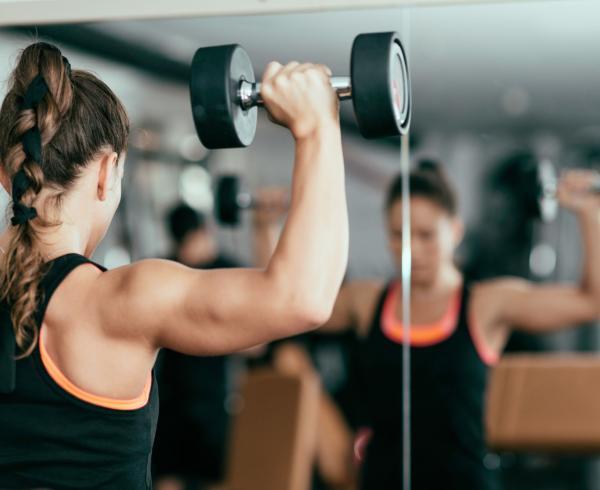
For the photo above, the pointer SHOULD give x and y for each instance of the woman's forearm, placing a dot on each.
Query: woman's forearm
(312, 253)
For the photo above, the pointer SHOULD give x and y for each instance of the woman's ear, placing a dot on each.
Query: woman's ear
(107, 172)
(458, 231)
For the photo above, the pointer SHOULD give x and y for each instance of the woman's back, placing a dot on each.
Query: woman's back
(58, 436)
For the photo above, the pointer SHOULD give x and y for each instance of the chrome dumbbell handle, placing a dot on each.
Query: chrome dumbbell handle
(249, 92)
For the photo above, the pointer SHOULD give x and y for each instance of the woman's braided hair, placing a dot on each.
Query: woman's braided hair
(53, 121)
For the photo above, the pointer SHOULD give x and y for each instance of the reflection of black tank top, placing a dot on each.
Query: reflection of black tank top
(51, 439)
(448, 386)
(192, 428)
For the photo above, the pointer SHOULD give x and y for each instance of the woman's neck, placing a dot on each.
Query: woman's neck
(56, 241)
(448, 279)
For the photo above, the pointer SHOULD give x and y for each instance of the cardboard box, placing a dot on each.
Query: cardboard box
(274, 434)
(547, 403)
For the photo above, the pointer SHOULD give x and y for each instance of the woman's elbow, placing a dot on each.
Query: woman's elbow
(308, 313)
(304, 308)
(591, 307)
(318, 314)
(596, 310)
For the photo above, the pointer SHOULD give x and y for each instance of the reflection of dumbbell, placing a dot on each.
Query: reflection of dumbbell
(546, 188)
(231, 200)
(545, 191)
(225, 95)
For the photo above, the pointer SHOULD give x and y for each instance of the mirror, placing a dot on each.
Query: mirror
(505, 96)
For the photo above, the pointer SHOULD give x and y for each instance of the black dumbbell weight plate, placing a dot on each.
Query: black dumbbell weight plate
(227, 209)
(380, 85)
(216, 74)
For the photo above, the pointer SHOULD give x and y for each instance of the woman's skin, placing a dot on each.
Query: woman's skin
(496, 306)
(104, 330)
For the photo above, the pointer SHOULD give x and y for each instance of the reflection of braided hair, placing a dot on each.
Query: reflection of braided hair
(427, 180)
(52, 122)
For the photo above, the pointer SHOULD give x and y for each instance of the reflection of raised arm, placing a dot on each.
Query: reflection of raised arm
(334, 439)
(519, 304)
(271, 207)
(354, 306)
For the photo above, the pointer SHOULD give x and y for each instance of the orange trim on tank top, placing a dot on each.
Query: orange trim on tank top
(113, 403)
(421, 335)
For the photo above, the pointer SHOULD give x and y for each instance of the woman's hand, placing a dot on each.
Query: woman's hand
(576, 191)
(300, 97)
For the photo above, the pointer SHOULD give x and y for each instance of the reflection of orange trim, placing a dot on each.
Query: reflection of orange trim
(361, 441)
(420, 335)
(61, 380)
(488, 355)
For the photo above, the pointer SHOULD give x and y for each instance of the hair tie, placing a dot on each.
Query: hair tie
(67, 66)
(35, 93)
(22, 214)
(20, 185)
(32, 146)
(32, 141)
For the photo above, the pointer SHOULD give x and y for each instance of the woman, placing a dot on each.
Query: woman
(78, 406)
(458, 330)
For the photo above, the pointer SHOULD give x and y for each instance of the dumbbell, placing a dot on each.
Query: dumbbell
(231, 200)
(545, 191)
(225, 94)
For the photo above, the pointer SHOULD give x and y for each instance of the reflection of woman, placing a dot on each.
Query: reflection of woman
(78, 408)
(458, 331)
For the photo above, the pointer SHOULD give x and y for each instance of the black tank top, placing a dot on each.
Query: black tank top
(448, 381)
(50, 438)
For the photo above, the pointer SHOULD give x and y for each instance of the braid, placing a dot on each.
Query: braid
(53, 121)
(41, 107)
